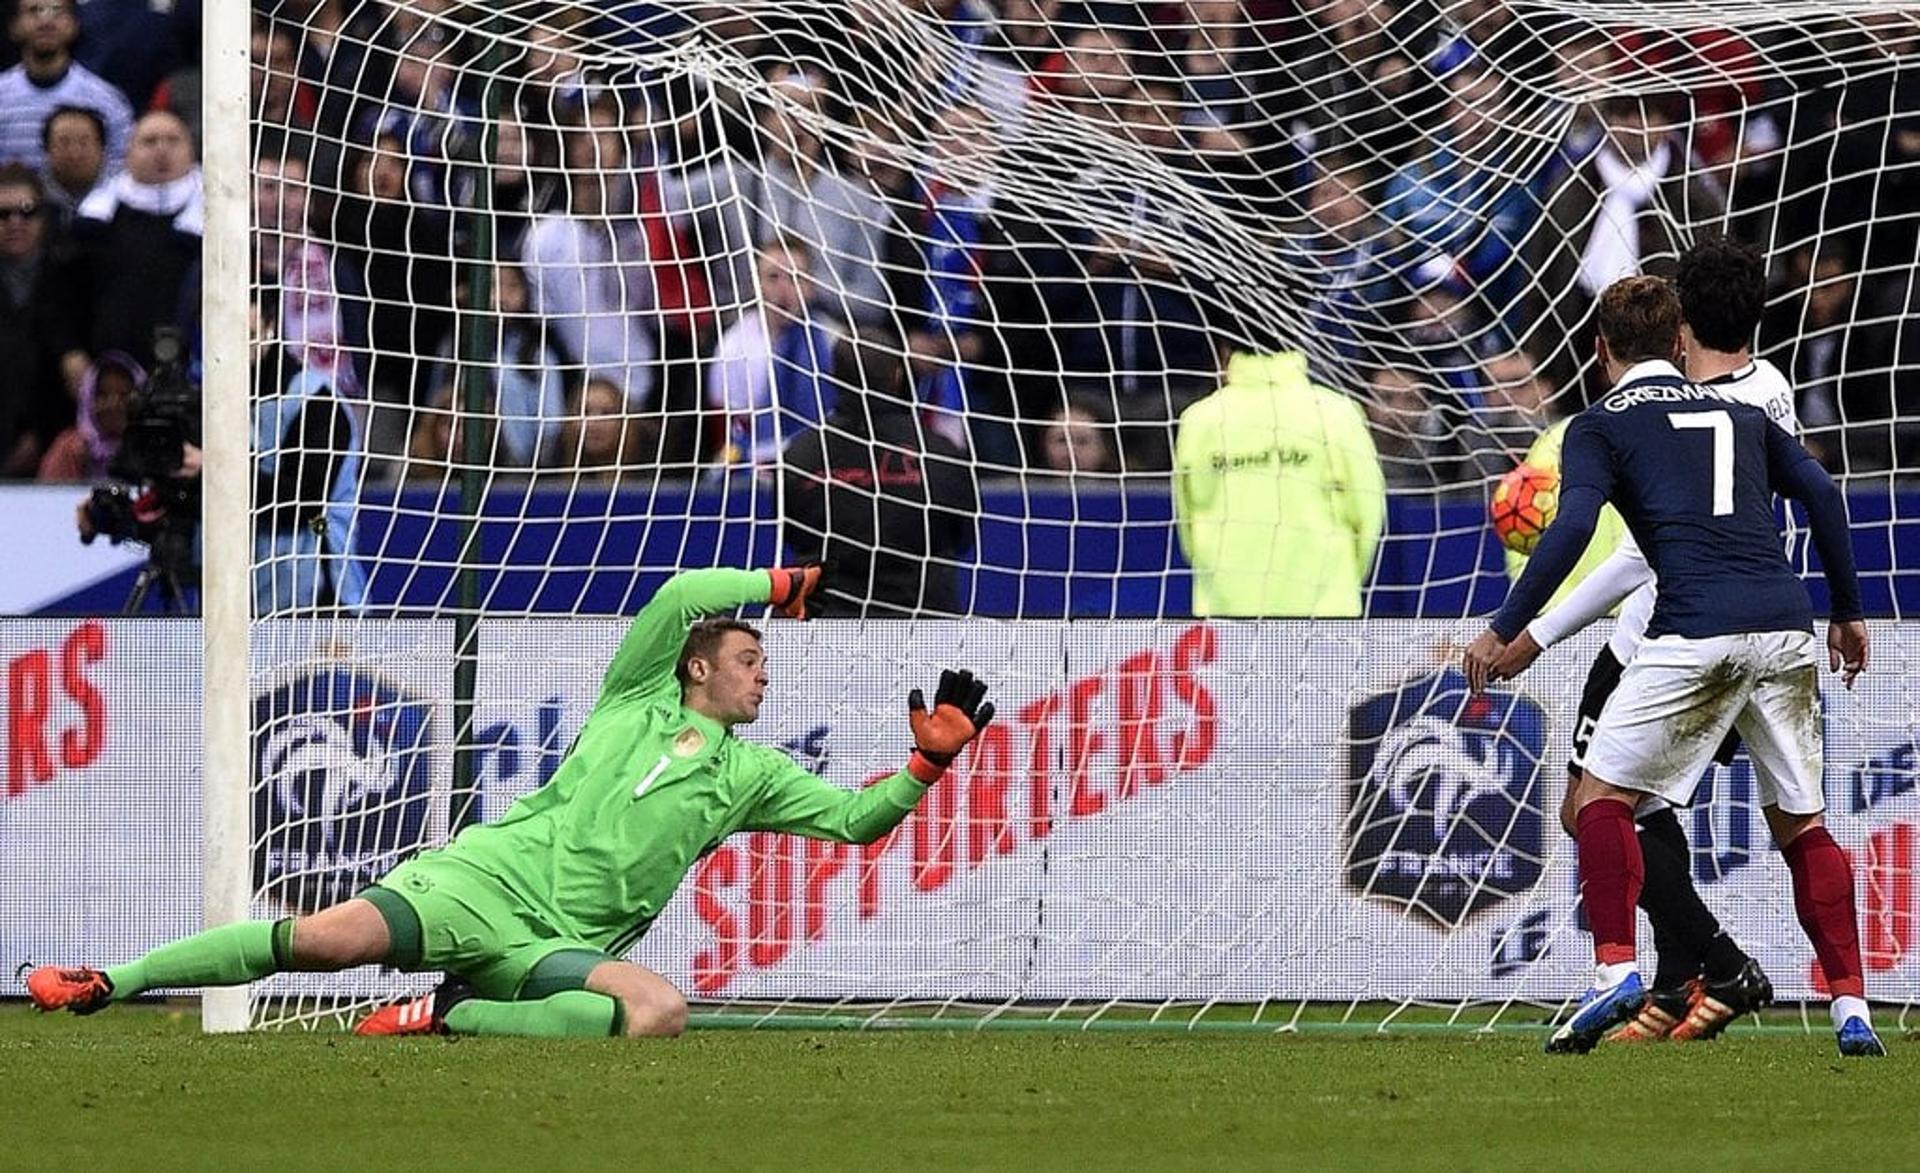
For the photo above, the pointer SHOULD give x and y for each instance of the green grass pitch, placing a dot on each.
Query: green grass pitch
(139, 1087)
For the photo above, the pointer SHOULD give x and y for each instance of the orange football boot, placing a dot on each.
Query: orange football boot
(81, 990)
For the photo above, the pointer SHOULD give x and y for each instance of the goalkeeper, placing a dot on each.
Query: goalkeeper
(530, 915)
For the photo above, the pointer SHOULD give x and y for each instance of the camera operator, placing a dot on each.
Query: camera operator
(154, 496)
(306, 445)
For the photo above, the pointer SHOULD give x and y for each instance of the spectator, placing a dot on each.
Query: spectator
(1136, 330)
(1441, 323)
(527, 371)
(1077, 440)
(438, 446)
(422, 111)
(1342, 256)
(75, 140)
(979, 74)
(85, 451)
(1412, 440)
(179, 94)
(48, 78)
(33, 404)
(1839, 361)
(1519, 402)
(1724, 95)
(1625, 209)
(601, 441)
(888, 505)
(340, 36)
(517, 195)
(282, 99)
(1093, 73)
(1501, 416)
(300, 280)
(587, 268)
(1278, 494)
(308, 462)
(689, 326)
(554, 86)
(135, 239)
(134, 44)
(1490, 31)
(772, 372)
(402, 251)
(791, 187)
(1462, 200)
(970, 300)
(1222, 66)
(1338, 68)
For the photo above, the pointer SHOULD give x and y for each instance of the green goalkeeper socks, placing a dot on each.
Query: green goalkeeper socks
(226, 956)
(570, 1014)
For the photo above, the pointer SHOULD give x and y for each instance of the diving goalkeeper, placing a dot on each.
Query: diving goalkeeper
(529, 916)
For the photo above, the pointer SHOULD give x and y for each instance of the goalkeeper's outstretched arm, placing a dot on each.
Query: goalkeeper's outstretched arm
(652, 645)
(801, 803)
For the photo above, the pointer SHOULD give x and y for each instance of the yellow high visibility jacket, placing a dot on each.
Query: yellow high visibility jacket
(1278, 493)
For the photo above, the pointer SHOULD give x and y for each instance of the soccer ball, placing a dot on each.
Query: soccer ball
(1523, 505)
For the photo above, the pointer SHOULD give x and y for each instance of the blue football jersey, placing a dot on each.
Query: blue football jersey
(1692, 472)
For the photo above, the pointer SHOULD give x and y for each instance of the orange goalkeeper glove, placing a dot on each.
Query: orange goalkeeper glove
(957, 717)
(792, 586)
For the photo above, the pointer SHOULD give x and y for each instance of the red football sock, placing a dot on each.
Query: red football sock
(1823, 898)
(1611, 871)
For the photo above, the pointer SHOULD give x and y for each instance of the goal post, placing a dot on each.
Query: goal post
(226, 596)
(551, 301)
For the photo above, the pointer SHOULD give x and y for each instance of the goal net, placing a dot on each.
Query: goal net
(551, 301)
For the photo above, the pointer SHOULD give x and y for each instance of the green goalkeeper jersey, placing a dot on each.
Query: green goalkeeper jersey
(650, 786)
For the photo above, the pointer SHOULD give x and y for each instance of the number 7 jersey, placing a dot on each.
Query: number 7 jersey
(1759, 383)
(1691, 468)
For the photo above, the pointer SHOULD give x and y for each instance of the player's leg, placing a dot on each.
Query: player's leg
(1599, 816)
(650, 1004)
(539, 991)
(348, 934)
(1824, 904)
(1654, 736)
(1781, 725)
(1722, 982)
(1691, 947)
(1603, 677)
(563, 990)
(1677, 959)
(1729, 983)
(1666, 1005)
(443, 915)
(571, 990)
(510, 974)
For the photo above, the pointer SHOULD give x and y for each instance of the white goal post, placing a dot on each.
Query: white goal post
(526, 305)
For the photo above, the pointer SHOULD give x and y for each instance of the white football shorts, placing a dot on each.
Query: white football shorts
(1679, 696)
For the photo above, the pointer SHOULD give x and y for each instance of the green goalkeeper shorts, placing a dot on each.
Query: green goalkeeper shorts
(444, 915)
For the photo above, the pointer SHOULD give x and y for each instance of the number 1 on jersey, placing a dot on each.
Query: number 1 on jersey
(1721, 424)
(653, 775)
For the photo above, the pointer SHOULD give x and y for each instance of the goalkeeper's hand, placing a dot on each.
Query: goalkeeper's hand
(793, 586)
(957, 717)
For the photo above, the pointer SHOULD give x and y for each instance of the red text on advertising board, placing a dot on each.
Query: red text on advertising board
(1072, 754)
(44, 687)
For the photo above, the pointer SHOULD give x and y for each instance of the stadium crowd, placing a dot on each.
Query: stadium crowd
(678, 273)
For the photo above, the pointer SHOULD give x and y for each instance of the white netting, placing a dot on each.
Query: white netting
(556, 300)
